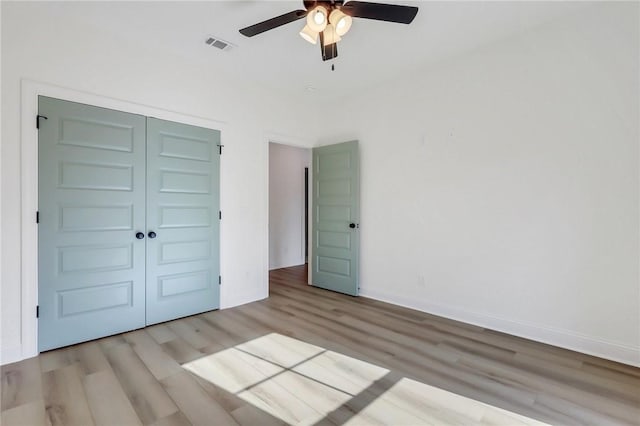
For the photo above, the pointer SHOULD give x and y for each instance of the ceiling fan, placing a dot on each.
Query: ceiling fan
(329, 20)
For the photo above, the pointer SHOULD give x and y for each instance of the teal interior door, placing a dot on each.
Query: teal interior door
(182, 219)
(336, 213)
(91, 202)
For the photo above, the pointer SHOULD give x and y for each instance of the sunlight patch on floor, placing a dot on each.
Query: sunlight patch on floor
(301, 383)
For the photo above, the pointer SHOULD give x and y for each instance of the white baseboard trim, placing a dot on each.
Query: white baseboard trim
(11, 354)
(557, 337)
(239, 301)
(552, 336)
(286, 265)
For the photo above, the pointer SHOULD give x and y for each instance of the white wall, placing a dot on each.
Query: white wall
(501, 188)
(39, 48)
(286, 204)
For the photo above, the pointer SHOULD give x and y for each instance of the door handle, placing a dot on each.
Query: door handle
(151, 234)
(139, 235)
(352, 225)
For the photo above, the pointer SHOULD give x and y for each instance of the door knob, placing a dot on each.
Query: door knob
(352, 225)
(139, 235)
(151, 234)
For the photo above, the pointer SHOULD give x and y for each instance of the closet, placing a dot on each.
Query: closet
(128, 221)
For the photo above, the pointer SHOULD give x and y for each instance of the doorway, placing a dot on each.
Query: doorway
(288, 205)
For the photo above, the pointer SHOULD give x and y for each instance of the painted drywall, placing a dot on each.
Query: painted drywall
(66, 54)
(286, 204)
(501, 188)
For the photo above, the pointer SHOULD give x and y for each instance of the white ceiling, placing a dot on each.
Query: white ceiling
(372, 52)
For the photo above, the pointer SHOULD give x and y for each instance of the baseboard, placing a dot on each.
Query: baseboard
(557, 337)
(239, 301)
(552, 336)
(286, 265)
(10, 354)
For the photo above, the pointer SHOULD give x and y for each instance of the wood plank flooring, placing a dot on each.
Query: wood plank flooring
(310, 356)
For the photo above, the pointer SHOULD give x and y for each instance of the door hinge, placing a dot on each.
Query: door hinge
(219, 279)
(38, 217)
(38, 117)
(37, 311)
(220, 148)
(220, 214)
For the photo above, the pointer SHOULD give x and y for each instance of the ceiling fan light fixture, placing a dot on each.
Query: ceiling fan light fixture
(340, 21)
(331, 20)
(317, 18)
(309, 35)
(330, 36)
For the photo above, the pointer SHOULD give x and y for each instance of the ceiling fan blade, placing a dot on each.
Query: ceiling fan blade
(380, 12)
(329, 51)
(272, 23)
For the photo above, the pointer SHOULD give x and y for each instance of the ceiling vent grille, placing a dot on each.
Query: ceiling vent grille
(218, 43)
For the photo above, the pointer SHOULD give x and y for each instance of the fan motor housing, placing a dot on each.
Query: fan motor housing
(310, 4)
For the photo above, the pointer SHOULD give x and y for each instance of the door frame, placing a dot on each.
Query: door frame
(30, 90)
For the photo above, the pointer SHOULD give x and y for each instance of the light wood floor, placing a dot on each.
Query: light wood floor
(309, 356)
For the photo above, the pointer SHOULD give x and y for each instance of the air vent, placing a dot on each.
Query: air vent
(218, 43)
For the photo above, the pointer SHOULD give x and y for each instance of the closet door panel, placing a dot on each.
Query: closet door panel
(182, 220)
(91, 202)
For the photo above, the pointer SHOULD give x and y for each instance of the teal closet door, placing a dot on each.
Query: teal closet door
(183, 229)
(336, 213)
(91, 201)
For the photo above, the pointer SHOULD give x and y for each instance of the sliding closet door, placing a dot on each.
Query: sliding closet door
(91, 202)
(182, 220)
